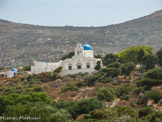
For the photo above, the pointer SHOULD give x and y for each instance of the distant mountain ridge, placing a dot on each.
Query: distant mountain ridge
(21, 44)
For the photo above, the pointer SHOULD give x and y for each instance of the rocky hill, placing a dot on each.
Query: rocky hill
(21, 44)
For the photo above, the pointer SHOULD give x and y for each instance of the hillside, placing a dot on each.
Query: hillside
(21, 44)
(116, 92)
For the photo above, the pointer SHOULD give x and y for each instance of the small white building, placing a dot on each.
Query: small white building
(82, 61)
(10, 73)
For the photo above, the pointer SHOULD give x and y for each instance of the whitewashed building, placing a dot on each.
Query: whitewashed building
(9, 74)
(82, 61)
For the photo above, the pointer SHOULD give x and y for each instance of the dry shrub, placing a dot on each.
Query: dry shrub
(91, 93)
(68, 94)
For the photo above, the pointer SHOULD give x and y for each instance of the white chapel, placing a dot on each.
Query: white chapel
(82, 61)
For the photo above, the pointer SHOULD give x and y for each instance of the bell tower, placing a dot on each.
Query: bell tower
(78, 49)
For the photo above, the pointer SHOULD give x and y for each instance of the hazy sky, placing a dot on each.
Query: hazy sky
(76, 12)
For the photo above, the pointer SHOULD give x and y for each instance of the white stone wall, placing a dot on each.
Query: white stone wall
(52, 66)
(38, 67)
(10, 74)
(78, 60)
(76, 71)
(44, 67)
(88, 53)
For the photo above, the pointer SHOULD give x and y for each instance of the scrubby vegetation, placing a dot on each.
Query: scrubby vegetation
(118, 91)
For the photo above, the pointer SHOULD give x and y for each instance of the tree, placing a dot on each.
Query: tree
(109, 58)
(111, 72)
(27, 68)
(98, 66)
(98, 56)
(149, 61)
(104, 79)
(155, 73)
(131, 54)
(147, 83)
(90, 81)
(58, 70)
(114, 65)
(127, 68)
(159, 55)
(151, 78)
(70, 55)
(140, 54)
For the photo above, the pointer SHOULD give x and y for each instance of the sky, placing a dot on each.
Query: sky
(76, 12)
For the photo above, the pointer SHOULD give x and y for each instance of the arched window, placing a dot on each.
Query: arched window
(88, 65)
(79, 66)
(70, 67)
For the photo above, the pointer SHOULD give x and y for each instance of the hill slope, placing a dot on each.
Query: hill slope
(20, 44)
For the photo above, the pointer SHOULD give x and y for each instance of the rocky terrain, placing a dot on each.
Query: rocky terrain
(21, 44)
(55, 88)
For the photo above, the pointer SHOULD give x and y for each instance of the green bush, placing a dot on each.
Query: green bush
(145, 112)
(126, 89)
(159, 55)
(147, 83)
(125, 97)
(77, 108)
(57, 70)
(70, 55)
(127, 110)
(69, 87)
(115, 84)
(131, 54)
(27, 68)
(151, 78)
(54, 77)
(155, 73)
(104, 79)
(114, 65)
(109, 58)
(138, 90)
(111, 72)
(44, 112)
(98, 65)
(15, 98)
(104, 75)
(127, 68)
(109, 114)
(154, 117)
(104, 93)
(90, 81)
(151, 95)
(149, 61)
(61, 104)
(80, 84)
(37, 88)
(84, 107)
